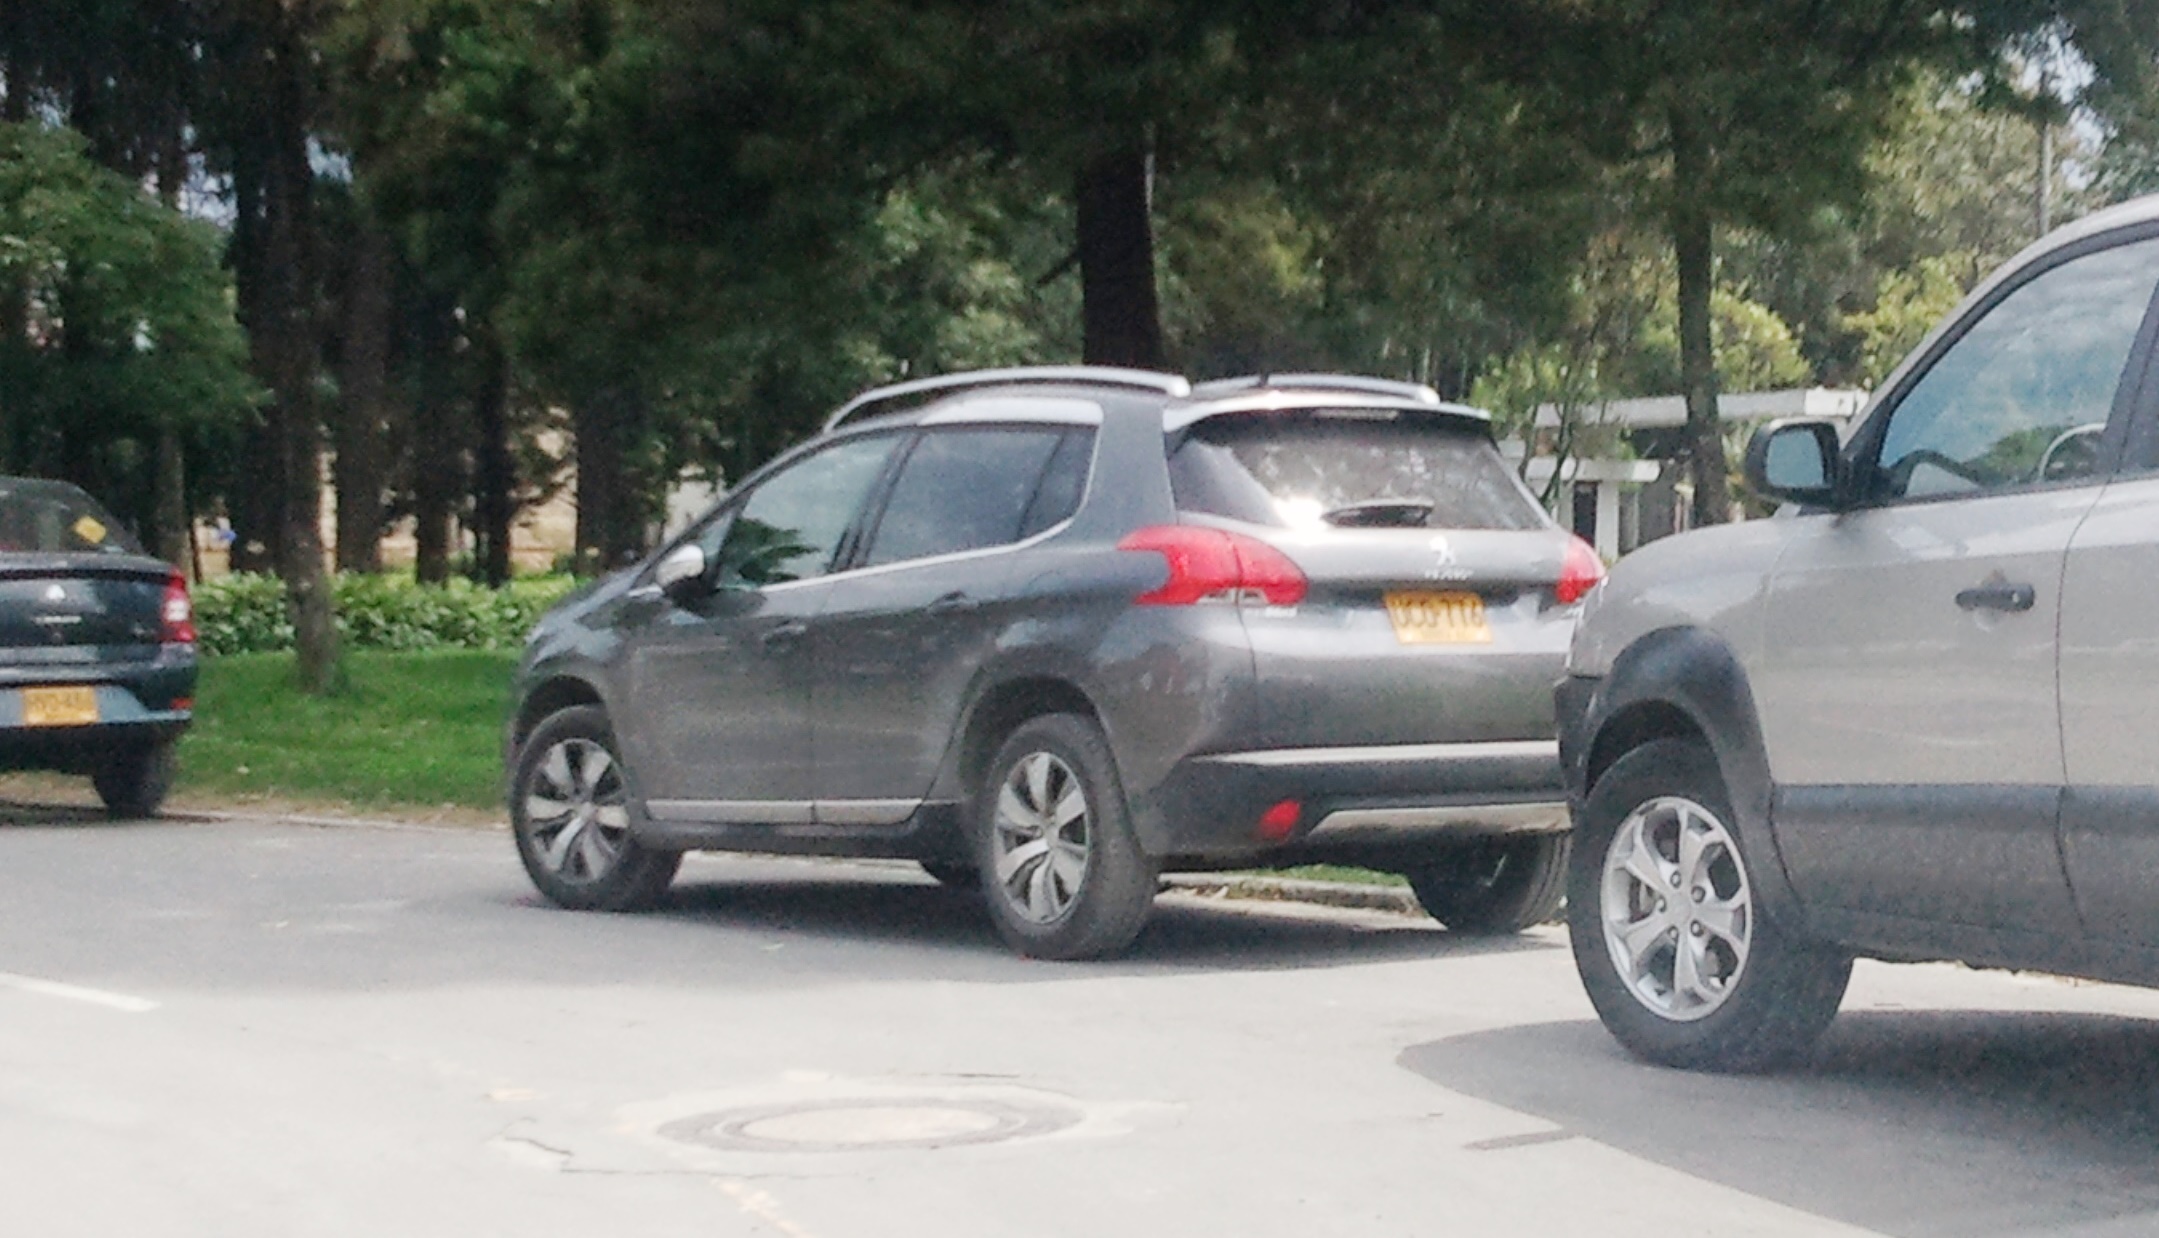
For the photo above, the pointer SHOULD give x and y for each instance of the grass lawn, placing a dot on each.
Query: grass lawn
(419, 728)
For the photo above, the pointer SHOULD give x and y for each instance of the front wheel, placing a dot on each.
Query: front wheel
(1494, 885)
(1064, 876)
(1667, 926)
(570, 814)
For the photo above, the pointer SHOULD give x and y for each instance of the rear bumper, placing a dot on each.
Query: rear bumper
(1371, 804)
(139, 701)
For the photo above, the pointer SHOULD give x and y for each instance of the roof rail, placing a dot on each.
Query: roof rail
(1099, 375)
(1320, 382)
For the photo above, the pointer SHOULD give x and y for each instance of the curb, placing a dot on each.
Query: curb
(1291, 890)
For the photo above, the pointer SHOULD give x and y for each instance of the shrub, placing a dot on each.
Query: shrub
(246, 613)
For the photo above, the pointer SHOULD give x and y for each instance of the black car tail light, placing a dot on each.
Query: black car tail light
(1216, 565)
(177, 612)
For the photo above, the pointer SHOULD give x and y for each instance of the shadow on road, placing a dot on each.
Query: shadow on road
(1185, 932)
(1915, 1124)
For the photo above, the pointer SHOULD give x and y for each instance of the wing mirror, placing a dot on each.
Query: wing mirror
(1798, 460)
(681, 573)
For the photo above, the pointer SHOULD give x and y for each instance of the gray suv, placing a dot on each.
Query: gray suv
(1905, 718)
(1054, 631)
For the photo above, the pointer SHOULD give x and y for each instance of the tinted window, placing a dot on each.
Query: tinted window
(962, 490)
(2021, 397)
(46, 517)
(791, 526)
(1350, 467)
(1064, 483)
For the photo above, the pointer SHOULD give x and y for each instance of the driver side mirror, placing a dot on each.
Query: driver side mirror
(681, 575)
(1796, 461)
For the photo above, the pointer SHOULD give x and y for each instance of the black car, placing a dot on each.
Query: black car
(1058, 630)
(97, 647)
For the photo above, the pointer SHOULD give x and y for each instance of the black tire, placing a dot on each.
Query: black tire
(1495, 885)
(1762, 994)
(1044, 909)
(953, 875)
(592, 864)
(133, 781)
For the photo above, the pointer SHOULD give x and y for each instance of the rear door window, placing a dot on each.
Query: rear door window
(973, 489)
(1347, 468)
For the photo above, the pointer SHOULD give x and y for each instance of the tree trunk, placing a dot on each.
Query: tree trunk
(609, 529)
(1121, 318)
(494, 471)
(277, 295)
(437, 441)
(169, 515)
(364, 403)
(1692, 239)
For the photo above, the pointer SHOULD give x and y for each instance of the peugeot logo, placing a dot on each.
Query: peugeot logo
(1442, 552)
(55, 593)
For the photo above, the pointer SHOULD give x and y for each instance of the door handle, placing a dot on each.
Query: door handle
(1997, 595)
(786, 634)
(953, 603)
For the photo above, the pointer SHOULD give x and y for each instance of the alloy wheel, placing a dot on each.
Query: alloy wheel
(576, 811)
(1677, 910)
(1042, 837)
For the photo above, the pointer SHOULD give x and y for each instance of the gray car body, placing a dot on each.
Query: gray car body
(2049, 868)
(1213, 712)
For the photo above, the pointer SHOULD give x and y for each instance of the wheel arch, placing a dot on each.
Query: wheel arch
(1688, 683)
(997, 711)
(548, 697)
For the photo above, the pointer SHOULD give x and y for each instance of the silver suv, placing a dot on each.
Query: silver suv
(1905, 718)
(1054, 631)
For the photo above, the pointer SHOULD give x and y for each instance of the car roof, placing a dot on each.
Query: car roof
(1076, 395)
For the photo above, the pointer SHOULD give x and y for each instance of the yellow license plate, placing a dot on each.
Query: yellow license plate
(59, 706)
(1438, 618)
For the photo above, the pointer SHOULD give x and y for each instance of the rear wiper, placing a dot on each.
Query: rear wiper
(1380, 514)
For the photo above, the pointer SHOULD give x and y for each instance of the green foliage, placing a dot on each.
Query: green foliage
(406, 728)
(246, 613)
(126, 315)
(1755, 349)
(1907, 304)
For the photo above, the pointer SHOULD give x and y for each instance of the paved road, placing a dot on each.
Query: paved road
(240, 1029)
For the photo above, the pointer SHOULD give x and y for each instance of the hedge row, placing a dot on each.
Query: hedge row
(246, 613)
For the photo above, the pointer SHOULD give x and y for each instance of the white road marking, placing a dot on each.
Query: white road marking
(761, 1206)
(76, 993)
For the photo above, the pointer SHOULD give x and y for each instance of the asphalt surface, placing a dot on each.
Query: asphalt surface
(260, 1028)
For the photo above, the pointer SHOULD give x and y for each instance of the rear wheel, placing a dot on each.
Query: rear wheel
(1667, 927)
(1495, 885)
(133, 781)
(570, 814)
(1064, 876)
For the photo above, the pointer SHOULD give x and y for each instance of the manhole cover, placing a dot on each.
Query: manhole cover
(868, 1124)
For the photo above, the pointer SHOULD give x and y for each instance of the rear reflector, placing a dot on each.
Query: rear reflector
(177, 614)
(1280, 821)
(1216, 565)
(1579, 572)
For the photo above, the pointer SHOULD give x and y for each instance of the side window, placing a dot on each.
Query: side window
(2024, 395)
(962, 490)
(1064, 483)
(791, 526)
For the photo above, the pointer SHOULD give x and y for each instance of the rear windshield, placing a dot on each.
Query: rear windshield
(44, 517)
(1347, 468)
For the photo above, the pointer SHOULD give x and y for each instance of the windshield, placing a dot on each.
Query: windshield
(1347, 468)
(47, 517)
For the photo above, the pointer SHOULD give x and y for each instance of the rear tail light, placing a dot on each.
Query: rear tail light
(1216, 565)
(177, 613)
(1280, 820)
(1579, 572)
